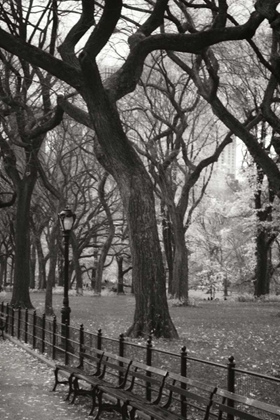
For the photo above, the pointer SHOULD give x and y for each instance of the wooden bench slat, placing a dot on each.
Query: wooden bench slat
(235, 411)
(147, 368)
(154, 411)
(249, 401)
(190, 382)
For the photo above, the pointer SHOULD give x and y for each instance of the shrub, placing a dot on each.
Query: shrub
(247, 297)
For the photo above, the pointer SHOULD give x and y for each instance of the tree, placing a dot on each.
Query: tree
(23, 132)
(112, 146)
(176, 134)
(222, 241)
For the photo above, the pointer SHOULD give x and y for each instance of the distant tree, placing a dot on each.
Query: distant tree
(24, 124)
(222, 241)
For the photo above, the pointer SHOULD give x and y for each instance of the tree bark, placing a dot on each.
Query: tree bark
(20, 296)
(41, 262)
(32, 267)
(168, 244)
(111, 233)
(180, 263)
(120, 276)
(53, 251)
(76, 265)
(263, 264)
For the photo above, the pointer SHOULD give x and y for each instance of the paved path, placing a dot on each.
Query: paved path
(25, 389)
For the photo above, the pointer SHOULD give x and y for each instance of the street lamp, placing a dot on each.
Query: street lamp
(66, 219)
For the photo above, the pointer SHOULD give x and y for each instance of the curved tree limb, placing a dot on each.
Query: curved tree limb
(45, 180)
(126, 78)
(40, 58)
(104, 29)
(86, 21)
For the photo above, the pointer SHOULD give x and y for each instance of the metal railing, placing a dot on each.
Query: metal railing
(63, 342)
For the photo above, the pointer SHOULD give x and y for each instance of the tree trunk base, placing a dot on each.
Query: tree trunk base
(19, 304)
(162, 330)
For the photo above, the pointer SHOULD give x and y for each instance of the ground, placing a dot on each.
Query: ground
(25, 389)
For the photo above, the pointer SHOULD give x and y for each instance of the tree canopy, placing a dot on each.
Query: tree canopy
(191, 33)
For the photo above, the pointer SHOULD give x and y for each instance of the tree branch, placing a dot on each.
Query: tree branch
(86, 21)
(40, 58)
(104, 29)
(127, 77)
(49, 125)
(45, 180)
(74, 112)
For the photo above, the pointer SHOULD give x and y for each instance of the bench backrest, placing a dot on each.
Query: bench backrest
(115, 367)
(226, 402)
(186, 391)
(146, 381)
(93, 358)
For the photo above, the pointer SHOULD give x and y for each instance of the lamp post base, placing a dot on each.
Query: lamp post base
(65, 321)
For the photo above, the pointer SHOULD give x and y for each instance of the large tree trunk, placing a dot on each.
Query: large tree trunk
(76, 265)
(53, 251)
(41, 262)
(109, 239)
(262, 281)
(32, 267)
(120, 275)
(21, 297)
(264, 238)
(168, 243)
(2, 272)
(136, 189)
(180, 262)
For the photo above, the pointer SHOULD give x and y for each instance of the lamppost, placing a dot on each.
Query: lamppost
(67, 219)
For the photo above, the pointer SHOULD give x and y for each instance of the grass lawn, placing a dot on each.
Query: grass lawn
(212, 330)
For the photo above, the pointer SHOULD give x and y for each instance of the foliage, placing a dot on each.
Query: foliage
(222, 240)
(247, 297)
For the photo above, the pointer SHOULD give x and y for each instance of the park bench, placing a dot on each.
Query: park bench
(3, 324)
(95, 358)
(226, 403)
(102, 367)
(150, 391)
(112, 373)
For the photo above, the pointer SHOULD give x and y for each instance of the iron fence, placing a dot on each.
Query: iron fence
(63, 343)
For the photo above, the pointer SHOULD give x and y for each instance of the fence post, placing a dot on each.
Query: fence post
(81, 344)
(231, 383)
(8, 315)
(18, 326)
(34, 330)
(26, 326)
(149, 363)
(66, 355)
(99, 339)
(121, 353)
(13, 322)
(183, 385)
(43, 332)
(53, 337)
